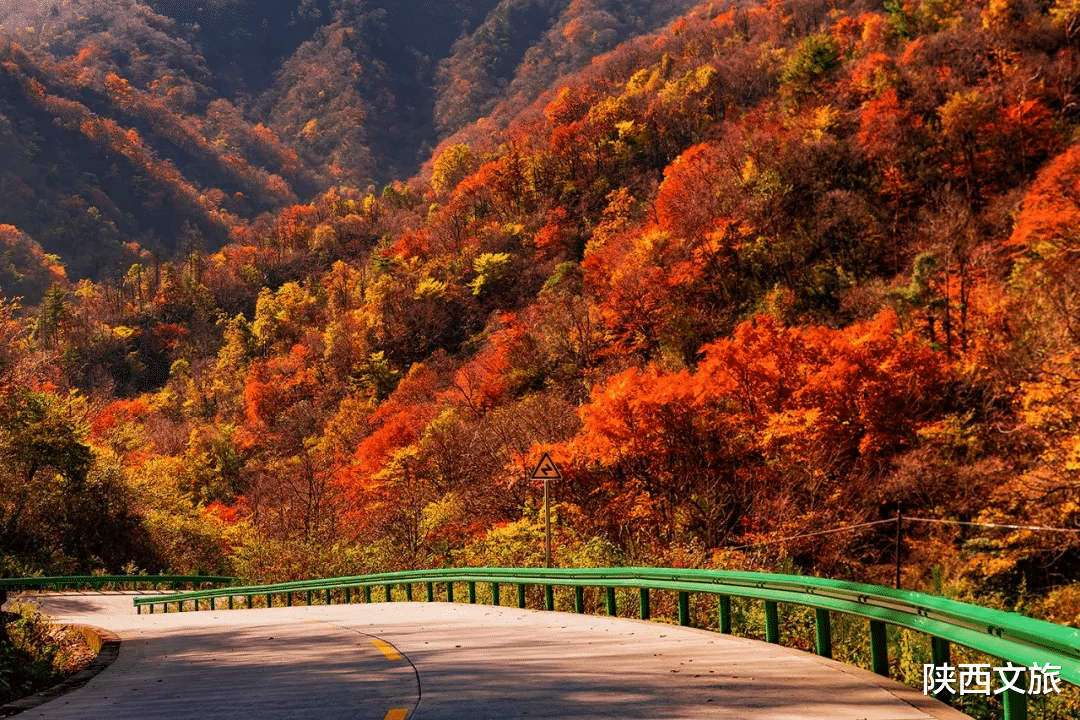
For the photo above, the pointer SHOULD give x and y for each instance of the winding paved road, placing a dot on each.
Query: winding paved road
(444, 661)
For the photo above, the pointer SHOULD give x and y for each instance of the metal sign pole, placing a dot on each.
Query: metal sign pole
(546, 470)
(547, 526)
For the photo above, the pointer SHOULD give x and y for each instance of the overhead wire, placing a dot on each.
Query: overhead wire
(990, 525)
(901, 518)
(813, 534)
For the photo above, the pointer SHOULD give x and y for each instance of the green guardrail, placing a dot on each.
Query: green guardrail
(97, 582)
(1009, 636)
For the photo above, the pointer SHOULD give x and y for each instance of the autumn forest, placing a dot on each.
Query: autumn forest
(301, 289)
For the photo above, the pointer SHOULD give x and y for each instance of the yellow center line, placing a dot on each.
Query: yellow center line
(391, 655)
(397, 714)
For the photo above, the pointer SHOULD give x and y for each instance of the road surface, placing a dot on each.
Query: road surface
(441, 661)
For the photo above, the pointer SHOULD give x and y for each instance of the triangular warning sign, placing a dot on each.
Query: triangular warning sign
(546, 470)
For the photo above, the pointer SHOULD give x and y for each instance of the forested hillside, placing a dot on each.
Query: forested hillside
(165, 126)
(772, 269)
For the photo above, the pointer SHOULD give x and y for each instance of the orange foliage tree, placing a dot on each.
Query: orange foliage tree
(776, 423)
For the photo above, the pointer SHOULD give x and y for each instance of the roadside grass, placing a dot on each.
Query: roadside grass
(37, 654)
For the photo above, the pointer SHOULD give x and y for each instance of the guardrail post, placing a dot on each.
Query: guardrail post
(879, 648)
(138, 609)
(450, 591)
(327, 596)
(939, 655)
(723, 609)
(549, 597)
(579, 600)
(609, 596)
(772, 622)
(1015, 705)
(308, 597)
(348, 595)
(288, 599)
(824, 633)
(213, 603)
(269, 600)
(521, 595)
(367, 593)
(496, 599)
(939, 651)
(684, 608)
(472, 592)
(643, 604)
(431, 592)
(231, 606)
(408, 591)
(389, 595)
(250, 602)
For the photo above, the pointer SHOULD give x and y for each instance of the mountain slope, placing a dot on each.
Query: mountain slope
(165, 126)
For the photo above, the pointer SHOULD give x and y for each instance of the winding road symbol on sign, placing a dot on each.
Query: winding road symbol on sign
(546, 469)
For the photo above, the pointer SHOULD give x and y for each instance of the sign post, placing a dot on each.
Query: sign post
(546, 470)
